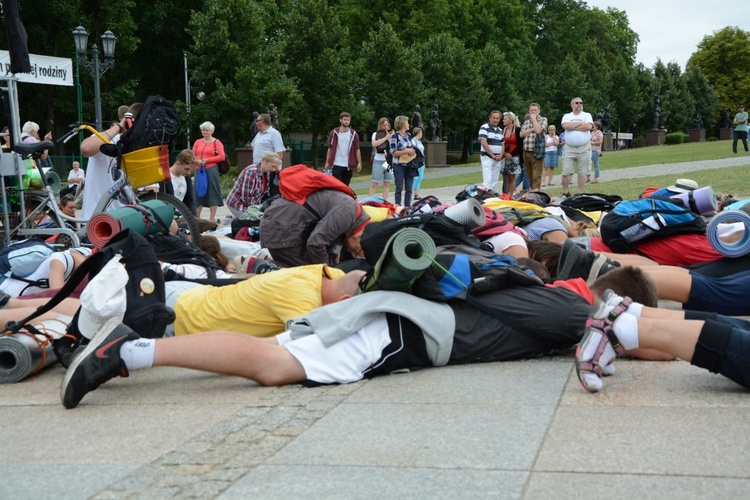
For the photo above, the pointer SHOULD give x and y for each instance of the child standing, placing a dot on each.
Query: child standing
(551, 142)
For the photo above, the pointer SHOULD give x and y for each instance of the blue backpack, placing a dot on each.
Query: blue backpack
(634, 222)
(20, 259)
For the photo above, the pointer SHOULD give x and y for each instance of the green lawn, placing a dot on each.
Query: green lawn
(733, 180)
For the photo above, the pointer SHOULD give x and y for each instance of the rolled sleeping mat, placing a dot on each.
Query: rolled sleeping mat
(468, 213)
(53, 180)
(729, 233)
(700, 201)
(406, 255)
(104, 226)
(21, 355)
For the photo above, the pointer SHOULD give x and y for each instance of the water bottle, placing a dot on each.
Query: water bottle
(328, 171)
(228, 219)
(471, 190)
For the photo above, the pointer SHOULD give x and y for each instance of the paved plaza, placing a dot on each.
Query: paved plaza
(523, 429)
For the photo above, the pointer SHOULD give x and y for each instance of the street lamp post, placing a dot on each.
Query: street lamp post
(96, 68)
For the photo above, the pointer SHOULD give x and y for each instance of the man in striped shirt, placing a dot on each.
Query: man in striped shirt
(491, 139)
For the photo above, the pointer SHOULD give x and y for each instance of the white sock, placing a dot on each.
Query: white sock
(635, 309)
(626, 329)
(138, 354)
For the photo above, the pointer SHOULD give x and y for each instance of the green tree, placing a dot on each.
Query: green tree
(319, 60)
(385, 61)
(161, 28)
(237, 63)
(646, 88)
(453, 80)
(724, 57)
(703, 96)
(497, 74)
(677, 103)
(49, 29)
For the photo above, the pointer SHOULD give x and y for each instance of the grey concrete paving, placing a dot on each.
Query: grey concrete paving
(522, 429)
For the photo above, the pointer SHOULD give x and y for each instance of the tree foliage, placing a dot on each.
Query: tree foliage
(316, 58)
(724, 57)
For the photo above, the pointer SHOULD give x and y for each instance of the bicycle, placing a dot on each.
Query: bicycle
(120, 191)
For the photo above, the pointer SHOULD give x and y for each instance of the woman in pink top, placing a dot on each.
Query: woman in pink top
(208, 152)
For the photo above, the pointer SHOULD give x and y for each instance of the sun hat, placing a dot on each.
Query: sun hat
(683, 186)
(404, 159)
(103, 298)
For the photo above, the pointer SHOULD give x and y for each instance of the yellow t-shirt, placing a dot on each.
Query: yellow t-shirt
(259, 306)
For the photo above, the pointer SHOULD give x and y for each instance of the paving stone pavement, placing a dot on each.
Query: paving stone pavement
(523, 429)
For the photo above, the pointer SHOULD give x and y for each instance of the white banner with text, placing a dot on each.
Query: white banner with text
(46, 70)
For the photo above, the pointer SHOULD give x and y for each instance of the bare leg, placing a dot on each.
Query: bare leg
(67, 306)
(373, 187)
(566, 183)
(17, 314)
(658, 313)
(628, 259)
(672, 283)
(581, 182)
(511, 184)
(677, 338)
(212, 212)
(198, 210)
(386, 188)
(261, 360)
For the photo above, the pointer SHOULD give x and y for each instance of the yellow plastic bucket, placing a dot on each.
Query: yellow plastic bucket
(147, 166)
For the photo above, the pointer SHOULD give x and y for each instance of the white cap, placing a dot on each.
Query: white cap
(103, 298)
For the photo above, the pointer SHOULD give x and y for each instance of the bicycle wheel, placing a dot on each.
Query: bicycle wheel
(182, 213)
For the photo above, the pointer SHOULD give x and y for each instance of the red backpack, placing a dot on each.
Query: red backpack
(298, 182)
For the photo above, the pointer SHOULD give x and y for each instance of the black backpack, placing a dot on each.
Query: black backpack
(157, 123)
(146, 312)
(591, 202)
(173, 249)
(440, 228)
(462, 272)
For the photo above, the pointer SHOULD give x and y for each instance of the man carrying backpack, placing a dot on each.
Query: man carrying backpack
(99, 169)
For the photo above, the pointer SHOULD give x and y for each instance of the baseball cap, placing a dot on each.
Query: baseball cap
(103, 298)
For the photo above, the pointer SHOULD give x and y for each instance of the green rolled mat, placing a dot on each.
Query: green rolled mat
(406, 255)
(104, 226)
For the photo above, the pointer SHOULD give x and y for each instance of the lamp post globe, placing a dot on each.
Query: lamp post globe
(96, 67)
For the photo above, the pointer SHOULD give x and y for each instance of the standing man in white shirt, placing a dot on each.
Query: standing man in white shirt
(491, 139)
(343, 153)
(578, 126)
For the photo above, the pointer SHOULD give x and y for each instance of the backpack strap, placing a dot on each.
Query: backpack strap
(75, 279)
(150, 217)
